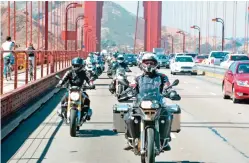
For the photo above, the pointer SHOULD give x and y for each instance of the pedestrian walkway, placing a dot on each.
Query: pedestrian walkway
(9, 85)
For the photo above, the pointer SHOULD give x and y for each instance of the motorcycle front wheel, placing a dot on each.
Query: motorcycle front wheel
(149, 156)
(73, 122)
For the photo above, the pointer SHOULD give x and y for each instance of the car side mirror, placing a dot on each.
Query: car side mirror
(230, 72)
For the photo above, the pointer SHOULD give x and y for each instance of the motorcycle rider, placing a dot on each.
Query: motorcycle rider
(120, 63)
(76, 77)
(148, 81)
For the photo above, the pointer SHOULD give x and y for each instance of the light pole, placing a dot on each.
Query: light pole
(183, 46)
(71, 5)
(199, 29)
(172, 43)
(76, 27)
(223, 29)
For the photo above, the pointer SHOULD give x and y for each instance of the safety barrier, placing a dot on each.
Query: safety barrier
(211, 70)
(57, 62)
(52, 61)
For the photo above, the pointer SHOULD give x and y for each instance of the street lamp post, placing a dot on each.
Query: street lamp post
(172, 43)
(71, 5)
(199, 29)
(76, 27)
(183, 46)
(223, 29)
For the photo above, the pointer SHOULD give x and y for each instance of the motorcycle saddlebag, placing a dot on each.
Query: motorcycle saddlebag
(119, 110)
(176, 124)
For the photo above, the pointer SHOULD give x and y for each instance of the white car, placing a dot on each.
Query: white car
(183, 64)
(216, 57)
(230, 58)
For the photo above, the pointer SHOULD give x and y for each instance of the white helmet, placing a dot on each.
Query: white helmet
(120, 58)
(149, 62)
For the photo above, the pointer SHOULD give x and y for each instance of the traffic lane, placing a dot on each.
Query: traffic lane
(227, 120)
(97, 143)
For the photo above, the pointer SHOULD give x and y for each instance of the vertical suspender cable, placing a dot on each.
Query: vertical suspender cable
(26, 24)
(8, 18)
(31, 25)
(135, 37)
(38, 26)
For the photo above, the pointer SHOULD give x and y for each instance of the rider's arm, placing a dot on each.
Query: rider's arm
(165, 80)
(65, 78)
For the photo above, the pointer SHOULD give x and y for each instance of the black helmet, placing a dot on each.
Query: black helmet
(149, 62)
(77, 63)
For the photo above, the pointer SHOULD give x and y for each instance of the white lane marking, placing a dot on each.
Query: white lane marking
(172, 135)
(212, 93)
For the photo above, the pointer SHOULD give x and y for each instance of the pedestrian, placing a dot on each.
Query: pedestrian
(30, 52)
(8, 57)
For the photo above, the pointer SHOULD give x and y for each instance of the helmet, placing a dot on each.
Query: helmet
(120, 58)
(90, 54)
(149, 62)
(77, 63)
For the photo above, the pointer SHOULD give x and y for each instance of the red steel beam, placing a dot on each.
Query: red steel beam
(152, 16)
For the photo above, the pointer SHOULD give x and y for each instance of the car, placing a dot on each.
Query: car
(200, 58)
(235, 83)
(183, 64)
(216, 57)
(163, 60)
(130, 59)
(230, 58)
(191, 54)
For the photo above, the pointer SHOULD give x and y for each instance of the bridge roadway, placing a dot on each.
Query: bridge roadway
(213, 130)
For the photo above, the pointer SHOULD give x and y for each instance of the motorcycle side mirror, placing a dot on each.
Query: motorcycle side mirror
(57, 77)
(176, 82)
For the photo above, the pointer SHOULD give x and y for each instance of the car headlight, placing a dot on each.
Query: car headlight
(74, 96)
(242, 83)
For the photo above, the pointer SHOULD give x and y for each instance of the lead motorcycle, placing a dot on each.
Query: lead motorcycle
(149, 119)
(74, 106)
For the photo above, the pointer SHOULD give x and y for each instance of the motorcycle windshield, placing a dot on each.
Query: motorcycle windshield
(150, 96)
(120, 71)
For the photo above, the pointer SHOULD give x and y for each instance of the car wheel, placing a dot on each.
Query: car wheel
(194, 73)
(233, 97)
(224, 92)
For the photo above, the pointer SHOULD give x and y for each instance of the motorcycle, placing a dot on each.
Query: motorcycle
(151, 137)
(120, 81)
(75, 102)
(91, 71)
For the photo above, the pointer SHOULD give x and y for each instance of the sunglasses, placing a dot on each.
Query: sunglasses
(149, 63)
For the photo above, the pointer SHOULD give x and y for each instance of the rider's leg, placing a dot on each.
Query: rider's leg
(5, 67)
(112, 88)
(86, 107)
(62, 110)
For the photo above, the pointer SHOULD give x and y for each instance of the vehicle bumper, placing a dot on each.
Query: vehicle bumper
(181, 70)
(241, 92)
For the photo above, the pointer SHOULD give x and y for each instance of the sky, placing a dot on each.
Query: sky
(181, 14)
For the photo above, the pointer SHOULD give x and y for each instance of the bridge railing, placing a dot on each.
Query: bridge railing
(45, 63)
(57, 62)
(211, 70)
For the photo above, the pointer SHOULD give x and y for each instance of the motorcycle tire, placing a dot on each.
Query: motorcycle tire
(73, 122)
(149, 157)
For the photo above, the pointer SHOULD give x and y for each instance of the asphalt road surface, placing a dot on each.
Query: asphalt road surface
(214, 130)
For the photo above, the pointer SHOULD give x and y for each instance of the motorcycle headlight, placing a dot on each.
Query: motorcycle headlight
(146, 104)
(74, 96)
(243, 83)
